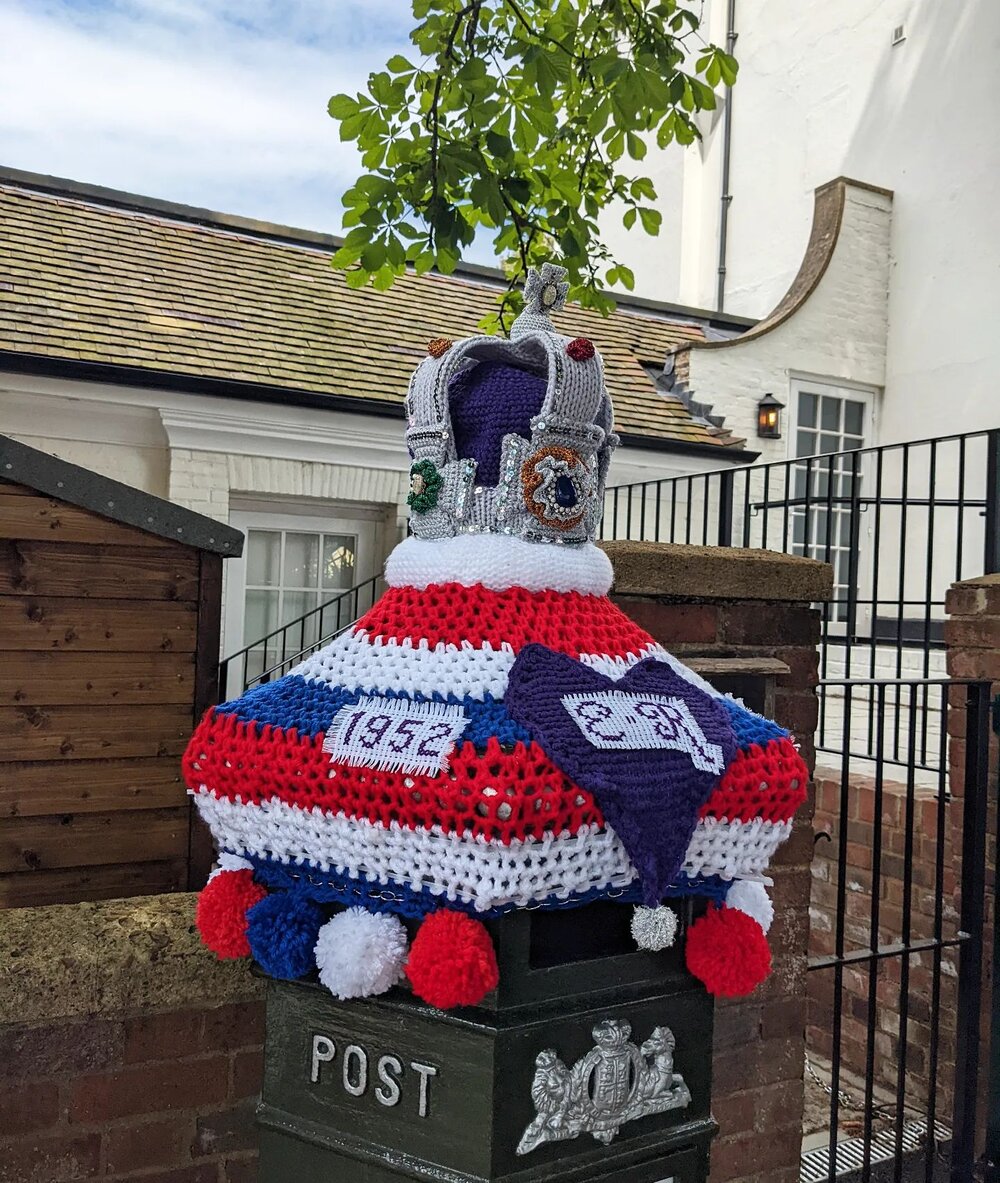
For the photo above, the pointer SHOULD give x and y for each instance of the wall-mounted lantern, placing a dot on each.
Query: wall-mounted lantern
(769, 418)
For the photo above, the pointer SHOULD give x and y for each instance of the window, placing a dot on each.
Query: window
(287, 589)
(830, 423)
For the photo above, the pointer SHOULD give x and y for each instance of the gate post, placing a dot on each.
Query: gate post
(735, 614)
(453, 1096)
(972, 635)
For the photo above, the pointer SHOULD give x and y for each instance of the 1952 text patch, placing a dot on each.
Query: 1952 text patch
(396, 735)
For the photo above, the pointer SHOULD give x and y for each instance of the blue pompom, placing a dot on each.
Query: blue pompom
(282, 932)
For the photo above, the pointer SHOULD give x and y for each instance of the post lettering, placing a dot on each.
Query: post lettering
(323, 1051)
(426, 1071)
(387, 1093)
(355, 1087)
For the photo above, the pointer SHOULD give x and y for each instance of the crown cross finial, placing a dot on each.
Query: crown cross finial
(545, 292)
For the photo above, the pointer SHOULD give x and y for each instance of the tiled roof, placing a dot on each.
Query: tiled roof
(91, 281)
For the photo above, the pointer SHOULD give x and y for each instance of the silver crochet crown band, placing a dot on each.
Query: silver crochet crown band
(552, 482)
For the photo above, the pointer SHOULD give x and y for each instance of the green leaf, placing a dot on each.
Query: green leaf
(525, 120)
(636, 146)
(650, 218)
(341, 106)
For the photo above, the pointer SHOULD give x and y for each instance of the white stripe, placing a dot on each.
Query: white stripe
(467, 868)
(499, 562)
(358, 661)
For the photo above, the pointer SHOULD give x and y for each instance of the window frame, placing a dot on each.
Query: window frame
(309, 519)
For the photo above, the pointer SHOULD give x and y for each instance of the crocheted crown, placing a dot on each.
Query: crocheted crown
(494, 734)
(511, 436)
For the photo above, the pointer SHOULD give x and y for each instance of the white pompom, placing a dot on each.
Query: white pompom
(654, 928)
(360, 953)
(230, 862)
(751, 898)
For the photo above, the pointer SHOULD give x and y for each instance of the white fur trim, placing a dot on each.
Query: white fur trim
(499, 562)
(747, 896)
(463, 867)
(360, 953)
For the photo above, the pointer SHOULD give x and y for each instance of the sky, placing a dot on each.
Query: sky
(216, 103)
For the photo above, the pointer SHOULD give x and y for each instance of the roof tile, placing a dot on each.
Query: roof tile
(116, 286)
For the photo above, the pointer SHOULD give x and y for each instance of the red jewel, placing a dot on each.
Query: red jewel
(580, 349)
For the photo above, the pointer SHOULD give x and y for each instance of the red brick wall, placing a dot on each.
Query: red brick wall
(757, 1094)
(973, 638)
(858, 903)
(164, 1097)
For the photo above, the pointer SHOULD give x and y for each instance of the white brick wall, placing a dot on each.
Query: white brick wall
(837, 333)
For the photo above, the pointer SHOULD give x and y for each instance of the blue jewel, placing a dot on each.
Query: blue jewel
(565, 492)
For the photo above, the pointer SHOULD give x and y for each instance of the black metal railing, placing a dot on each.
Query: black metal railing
(271, 656)
(895, 969)
(898, 523)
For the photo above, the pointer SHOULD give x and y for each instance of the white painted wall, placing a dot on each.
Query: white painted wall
(217, 455)
(823, 92)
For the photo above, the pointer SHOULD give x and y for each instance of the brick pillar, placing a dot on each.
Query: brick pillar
(748, 610)
(973, 637)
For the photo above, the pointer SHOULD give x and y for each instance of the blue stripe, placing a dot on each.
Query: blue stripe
(309, 708)
(293, 703)
(328, 887)
(750, 728)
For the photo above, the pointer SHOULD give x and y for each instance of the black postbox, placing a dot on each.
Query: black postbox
(591, 1061)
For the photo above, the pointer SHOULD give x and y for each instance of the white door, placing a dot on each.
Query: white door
(292, 587)
(829, 511)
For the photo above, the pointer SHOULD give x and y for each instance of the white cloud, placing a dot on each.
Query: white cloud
(217, 103)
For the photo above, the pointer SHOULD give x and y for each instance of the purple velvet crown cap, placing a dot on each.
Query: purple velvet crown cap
(487, 402)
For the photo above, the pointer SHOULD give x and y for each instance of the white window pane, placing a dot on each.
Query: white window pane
(296, 604)
(263, 549)
(829, 443)
(830, 414)
(854, 417)
(338, 560)
(261, 616)
(807, 409)
(301, 560)
(301, 632)
(805, 444)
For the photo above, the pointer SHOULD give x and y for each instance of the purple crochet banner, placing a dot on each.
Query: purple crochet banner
(650, 746)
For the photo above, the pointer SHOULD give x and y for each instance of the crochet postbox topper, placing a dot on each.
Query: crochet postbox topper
(494, 734)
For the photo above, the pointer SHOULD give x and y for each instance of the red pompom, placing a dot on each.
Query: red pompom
(580, 349)
(452, 961)
(728, 951)
(221, 912)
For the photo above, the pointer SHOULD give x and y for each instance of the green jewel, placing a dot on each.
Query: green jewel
(425, 485)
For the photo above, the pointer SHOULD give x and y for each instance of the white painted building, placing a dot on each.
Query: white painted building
(899, 94)
(222, 363)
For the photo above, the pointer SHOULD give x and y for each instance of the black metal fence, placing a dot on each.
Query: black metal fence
(896, 969)
(898, 524)
(274, 655)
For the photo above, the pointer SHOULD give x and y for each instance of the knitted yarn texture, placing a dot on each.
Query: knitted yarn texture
(494, 733)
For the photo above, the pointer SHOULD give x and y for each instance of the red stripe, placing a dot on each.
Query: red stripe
(497, 794)
(567, 622)
(501, 795)
(768, 783)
